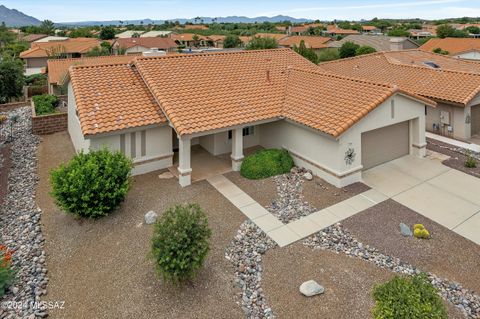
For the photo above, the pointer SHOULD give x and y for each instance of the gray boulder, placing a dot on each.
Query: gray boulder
(150, 217)
(405, 230)
(308, 176)
(311, 288)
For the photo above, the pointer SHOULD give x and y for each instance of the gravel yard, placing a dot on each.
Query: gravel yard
(264, 191)
(100, 268)
(457, 158)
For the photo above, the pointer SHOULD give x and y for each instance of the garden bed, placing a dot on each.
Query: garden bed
(54, 119)
(456, 160)
(100, 268)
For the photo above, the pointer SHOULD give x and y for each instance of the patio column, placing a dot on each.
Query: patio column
(237, 149)
(417, 137)
(184, 166)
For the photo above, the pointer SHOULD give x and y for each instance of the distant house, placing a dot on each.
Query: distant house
(371, 29)
(314, 42)
(36, 57)
(454, 84)
(188, 40)
(333, 30)
(51, 38)
(217, 40)
(138, 45)
(33, 37)
(152, 34)
(418, 33)
(379, 43)
(462, 48)
(276, 36)
(129, 34)
(298, 30)
(58, 69)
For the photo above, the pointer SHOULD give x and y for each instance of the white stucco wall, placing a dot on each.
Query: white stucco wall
(458, 114)
(219, 143)
(74, 129)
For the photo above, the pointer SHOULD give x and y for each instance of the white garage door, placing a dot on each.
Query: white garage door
(384, 144)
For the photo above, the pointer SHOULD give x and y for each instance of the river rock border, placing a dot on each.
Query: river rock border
(20, 226)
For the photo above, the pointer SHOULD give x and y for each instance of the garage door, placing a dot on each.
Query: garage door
(384, 144)
(475, 120)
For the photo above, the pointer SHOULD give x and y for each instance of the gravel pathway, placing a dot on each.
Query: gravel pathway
(20, 226)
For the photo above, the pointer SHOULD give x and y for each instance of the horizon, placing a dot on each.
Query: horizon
(110, 10)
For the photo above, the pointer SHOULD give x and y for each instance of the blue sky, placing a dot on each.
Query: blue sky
(74, 10)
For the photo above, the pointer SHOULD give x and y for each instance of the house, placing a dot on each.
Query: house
(58, 69)
(276, 36)
(33, 37)
(217, 40)
(314, 42)
(454, 84)
(418, 34)
(191, 40)
(151, 34)
(51, 38)
(298, 30)
(371, 29)
(379, 43)
(333, 30)
(138, 45)
(36, 57)
(129, 34)
(335, 125)
(462, 48)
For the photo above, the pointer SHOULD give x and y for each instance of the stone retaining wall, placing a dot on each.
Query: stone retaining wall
(50, 123)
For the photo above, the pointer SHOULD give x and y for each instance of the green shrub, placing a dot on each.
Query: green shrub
(266, 163)
(45, 104)
(365, 49)
(36, 79)
(471, 162)
(92, 185)
(7, 275)
(180, 242)
(413, 298)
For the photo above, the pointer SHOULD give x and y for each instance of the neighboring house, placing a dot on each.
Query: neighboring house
(371, 29)
(217, 40)
(454, 84)
(337, 126)
(129, 34)
(314, 42)
(418, 34)
(139, 45)
(276, 36)
(51, 38)
(462, 48)
(33, 37)
(187, 40)
(297, 30)
(152, 34)
(333, 30)
(58, 69)
(379, 43)
(36, 57)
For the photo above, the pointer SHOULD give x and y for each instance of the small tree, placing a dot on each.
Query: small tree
(364, 49)
(473, 30)
(328, 54)
(445, 31)
(107, 33)
(258, 43)
(398, 33)
(440, 51)
(307, 53)
(12, 79)
(232, 41)
(92, 185)
(47, 27)
(180, 242)
(348, 49)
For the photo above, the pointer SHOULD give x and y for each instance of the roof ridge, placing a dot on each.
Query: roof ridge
(89, 58)
(429, 68)
(87, 66)
(212, 54)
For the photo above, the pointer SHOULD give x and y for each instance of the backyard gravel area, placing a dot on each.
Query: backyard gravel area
(100, 268)
(446, 254)
(5, 164)
(457, 158)
(348, 283)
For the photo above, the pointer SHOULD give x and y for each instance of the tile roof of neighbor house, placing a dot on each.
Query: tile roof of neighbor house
(276, 36)
(448, 83)
(129, 33)
(314, 42)
(299, 29)
(216, 38)
(223, 90)
(153, 42)
(154, 33)
(369, 27)
(58, 68)
(34, 37)
(112, 97)
(379, 43)
(186, 37)
(333, 29)
(452, 45)
(75, 45)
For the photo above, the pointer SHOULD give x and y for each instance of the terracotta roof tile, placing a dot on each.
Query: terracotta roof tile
(449, 82)
(112, 97)
(58, 68)
(152, 42)
(75, 45)
(313, 42)
(452, 45)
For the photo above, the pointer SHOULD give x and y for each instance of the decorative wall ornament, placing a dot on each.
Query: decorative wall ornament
(350, 156)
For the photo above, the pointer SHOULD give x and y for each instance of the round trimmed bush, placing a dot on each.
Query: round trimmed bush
(92, 185)
(266, 163)
(180, 242)
(412, 297)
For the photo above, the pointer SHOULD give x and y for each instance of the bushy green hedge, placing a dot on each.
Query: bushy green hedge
(92, 185)
(266, 163)
(45, 104)
(180, 242)
(412, 298)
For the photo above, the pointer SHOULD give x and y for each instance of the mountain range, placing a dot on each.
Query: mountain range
(15, 18)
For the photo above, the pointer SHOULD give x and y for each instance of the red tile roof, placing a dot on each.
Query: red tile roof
(452, 45)
(75, 45)
(314, 42)
(153, 42)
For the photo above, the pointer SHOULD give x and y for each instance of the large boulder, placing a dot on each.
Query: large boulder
(311, 288)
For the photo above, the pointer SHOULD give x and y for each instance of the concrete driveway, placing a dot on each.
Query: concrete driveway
(446, 196)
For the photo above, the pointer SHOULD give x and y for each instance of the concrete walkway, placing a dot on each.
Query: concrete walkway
(469, 146)
(285, 234)
(444, 195)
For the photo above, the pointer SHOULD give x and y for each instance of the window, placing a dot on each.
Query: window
(246, 131)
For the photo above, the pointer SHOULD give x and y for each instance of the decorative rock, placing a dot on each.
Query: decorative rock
(165, 175)
(150, 217)
(308, 176)
(311, 288)
(405, 230)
